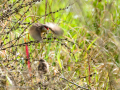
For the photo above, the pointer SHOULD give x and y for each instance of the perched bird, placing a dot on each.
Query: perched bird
(43, 67)
(37, 29)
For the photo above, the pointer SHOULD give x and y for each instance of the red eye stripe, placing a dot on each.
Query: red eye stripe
(46, 27)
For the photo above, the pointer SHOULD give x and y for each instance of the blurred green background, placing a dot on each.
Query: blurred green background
(93, 26)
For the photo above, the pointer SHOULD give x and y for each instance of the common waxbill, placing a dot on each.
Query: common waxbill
(43, 67)
(37, 29)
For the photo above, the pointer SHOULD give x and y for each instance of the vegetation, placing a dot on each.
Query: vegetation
(86, 57)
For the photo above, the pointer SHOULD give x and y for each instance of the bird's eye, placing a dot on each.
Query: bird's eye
(46, 27)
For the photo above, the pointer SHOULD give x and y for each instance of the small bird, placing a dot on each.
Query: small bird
(43, 67)
(37, 29)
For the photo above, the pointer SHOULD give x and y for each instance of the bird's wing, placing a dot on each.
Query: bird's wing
(55, 28)
(35, 32)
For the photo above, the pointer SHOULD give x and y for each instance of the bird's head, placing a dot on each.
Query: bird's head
(44, 28)
(42, 60)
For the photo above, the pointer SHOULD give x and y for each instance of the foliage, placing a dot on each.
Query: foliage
(86, 56)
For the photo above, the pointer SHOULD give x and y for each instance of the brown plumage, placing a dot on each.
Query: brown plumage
(36, 29)
(43, 67)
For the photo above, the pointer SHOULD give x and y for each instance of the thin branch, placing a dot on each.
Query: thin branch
(74, 83)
